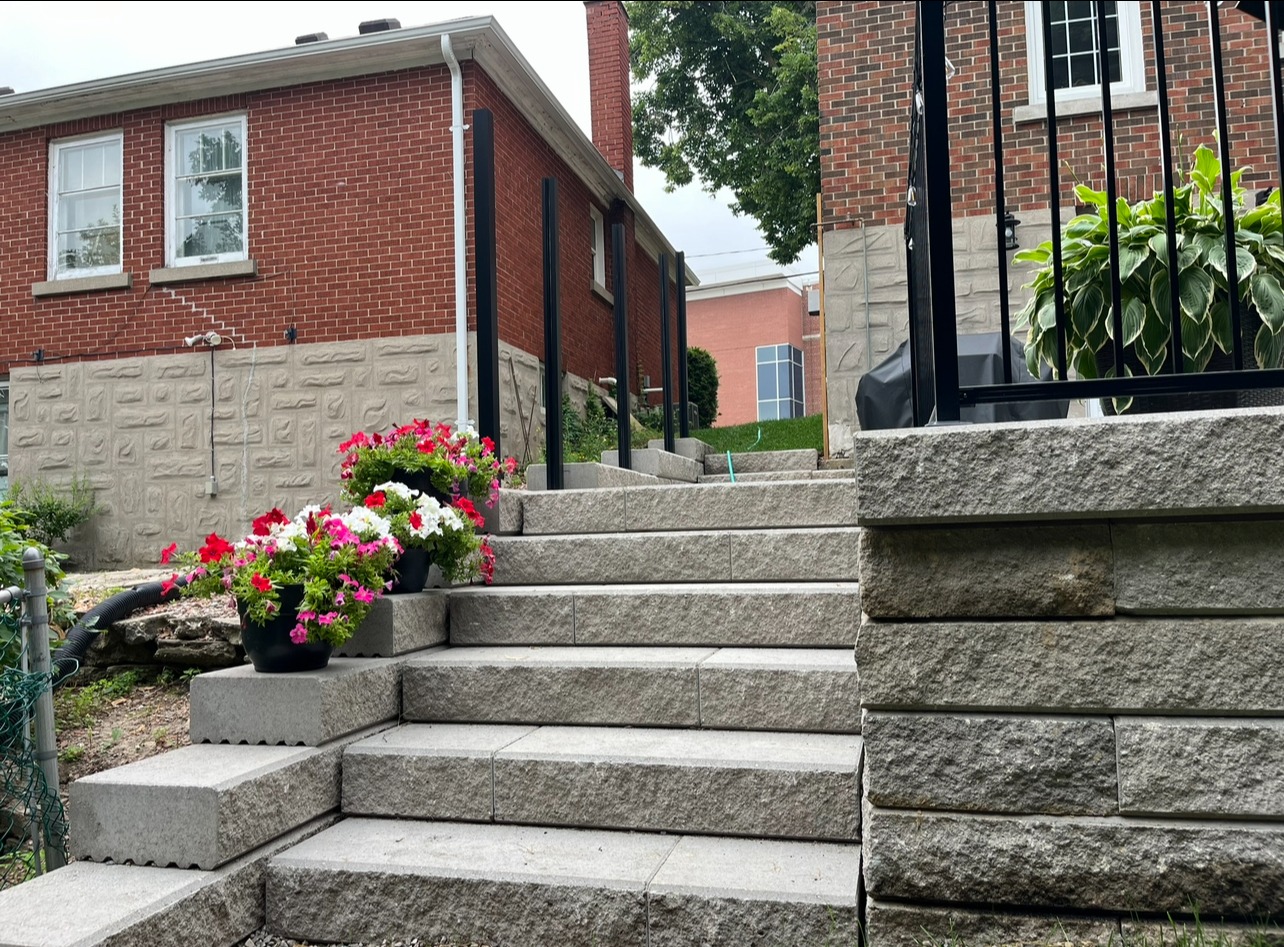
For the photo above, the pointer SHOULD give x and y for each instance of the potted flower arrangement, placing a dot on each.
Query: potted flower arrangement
(1200, 223)
(424, 456)
(430, 531)
(302, 585)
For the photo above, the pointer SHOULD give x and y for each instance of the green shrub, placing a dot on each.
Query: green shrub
(50, 513)
(702, 384)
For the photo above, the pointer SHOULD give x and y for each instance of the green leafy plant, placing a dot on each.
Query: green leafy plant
(50, 513)
(1204, 295)
(702, 383)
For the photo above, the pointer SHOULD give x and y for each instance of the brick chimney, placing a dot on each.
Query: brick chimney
(608, 49)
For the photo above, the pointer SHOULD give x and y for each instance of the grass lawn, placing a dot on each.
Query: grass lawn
(790, 434)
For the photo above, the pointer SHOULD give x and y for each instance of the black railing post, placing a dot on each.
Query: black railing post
(666, 354)
(1054, 187)
(623, 415)
(1166, 163)
(1000, 199)
(684, 386)
(945, 354)
(1273, 26)
(552, 341)
(1228, 195)
(486, 276)
(1112, 190)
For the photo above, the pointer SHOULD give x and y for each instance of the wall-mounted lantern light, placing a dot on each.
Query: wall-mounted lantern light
(1009, 232)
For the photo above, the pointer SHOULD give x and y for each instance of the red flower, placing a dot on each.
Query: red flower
(416, 521)
(488, 444)
(465, 506)
(376, 500)
(168, 553)
(261, 582)
(169, 584)
(426, 446)
(263, 524)
(215, 548)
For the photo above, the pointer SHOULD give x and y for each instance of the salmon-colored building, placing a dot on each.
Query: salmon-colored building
(764, 341)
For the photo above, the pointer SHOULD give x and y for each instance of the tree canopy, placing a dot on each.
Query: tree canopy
(729, 94)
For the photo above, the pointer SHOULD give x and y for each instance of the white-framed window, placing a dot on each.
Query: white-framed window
(85, 206)
(1075, 67)
(597, 236)
(205, 209)
(780, 382)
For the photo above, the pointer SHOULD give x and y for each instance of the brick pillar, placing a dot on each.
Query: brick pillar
(608, 45)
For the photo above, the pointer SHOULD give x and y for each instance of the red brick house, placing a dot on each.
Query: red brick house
(866, 58)
(298, 203)
(765, 341)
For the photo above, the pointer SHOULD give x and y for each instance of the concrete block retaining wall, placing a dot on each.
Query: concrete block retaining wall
(1072, 677)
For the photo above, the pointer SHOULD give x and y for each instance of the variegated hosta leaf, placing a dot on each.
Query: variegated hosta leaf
(1268, 348)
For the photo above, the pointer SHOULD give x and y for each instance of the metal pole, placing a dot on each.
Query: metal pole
(820, 291)
(552, 341)
(623, 414)
(37, 627)
(684, 382)
(486, 276)
(666, 354)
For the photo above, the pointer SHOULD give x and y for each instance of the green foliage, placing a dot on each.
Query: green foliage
(72, 753)
(77, 706)
(702, 383)
(1202, 278)
(789, 434)
(585, 437)
(50, 513)
(730, 94)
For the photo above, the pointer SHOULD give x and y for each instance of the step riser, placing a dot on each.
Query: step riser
(694, 507)
(766, 616)
(762, 461)
(829, 555)
(767, 476)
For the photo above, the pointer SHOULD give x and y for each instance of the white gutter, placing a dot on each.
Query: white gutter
(461, 248)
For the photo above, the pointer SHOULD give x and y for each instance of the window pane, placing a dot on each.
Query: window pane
(72, 165)
(1060, 44)
(1112, 60)
(93, 209)
(1083, 36)
(209, 149)
(767, 380)
(210, 235)
(798, 380)
(1078, 9)
(767, 411)
(209, 195)
(85, 248)
(1060, 74)
(1083, 70)
(784, 388)
(782, 352)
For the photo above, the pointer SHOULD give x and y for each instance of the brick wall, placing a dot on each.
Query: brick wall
(608, 37)
(866, 59)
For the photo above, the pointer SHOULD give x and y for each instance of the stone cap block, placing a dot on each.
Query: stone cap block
(658, 463)
(1190, 464)
(399, 624)
(761, 869)
(691, 447)
(715, 462)
(588, 476)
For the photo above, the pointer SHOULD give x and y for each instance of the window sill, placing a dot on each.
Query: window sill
(200, 271)
(1091, 105)
(602, 291)
(82, 284)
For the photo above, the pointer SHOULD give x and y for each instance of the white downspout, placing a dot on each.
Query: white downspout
(457, 128)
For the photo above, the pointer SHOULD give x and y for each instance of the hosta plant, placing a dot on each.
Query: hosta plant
(1143, 263)
(340, 559)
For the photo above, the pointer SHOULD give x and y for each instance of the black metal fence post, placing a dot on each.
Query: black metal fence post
(623, 414)
(666, 354)
(486, 276)
(684, 385)
(552, 341)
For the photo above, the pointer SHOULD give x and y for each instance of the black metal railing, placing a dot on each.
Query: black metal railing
(938, 394)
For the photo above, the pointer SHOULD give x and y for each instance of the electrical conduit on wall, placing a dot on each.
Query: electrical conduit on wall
(461, 275)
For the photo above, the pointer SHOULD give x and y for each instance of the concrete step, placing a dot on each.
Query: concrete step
(128, 905)
(698, 506)
(588, 476)
(727, 782)
(204, 805)
(750, 555)
(399, 624)
(758, 461)
(729, 688)
(372, 880)
(767, 476)
(691, 447)
(658, 463)
(816, 615)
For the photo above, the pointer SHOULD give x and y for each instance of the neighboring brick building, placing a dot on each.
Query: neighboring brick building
(866, 59)
(298, 202)
(764, 341)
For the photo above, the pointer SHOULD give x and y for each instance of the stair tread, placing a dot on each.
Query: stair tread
(664, 588)
(629, 656)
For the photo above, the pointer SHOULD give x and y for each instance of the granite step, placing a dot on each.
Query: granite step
(814, 614)
(715, 462)
(697, 506)
(798, 689)
(386, 879)
(727, 782)
(750, 555)
(766, 476)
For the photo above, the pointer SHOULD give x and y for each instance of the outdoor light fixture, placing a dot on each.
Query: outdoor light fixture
(1009, 232)
(212, 339)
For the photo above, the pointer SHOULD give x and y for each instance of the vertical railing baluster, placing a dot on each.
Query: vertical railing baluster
(1054, 185)
(1273, 27)
(1112, 189)
(486, 276)
(945, 352)
(623, 414)
(1166, 159)
(666, 354)
(1000, 201)
(1228, 194)
(552, 341)
(684, 381)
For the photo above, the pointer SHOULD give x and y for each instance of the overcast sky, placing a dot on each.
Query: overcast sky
(51, 44)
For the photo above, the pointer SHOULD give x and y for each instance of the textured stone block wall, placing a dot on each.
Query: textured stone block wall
(139, 430)
(1071, 675)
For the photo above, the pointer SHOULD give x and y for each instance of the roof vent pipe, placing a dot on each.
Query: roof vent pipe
(379, 26)
(6, 90)
(311, 38)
